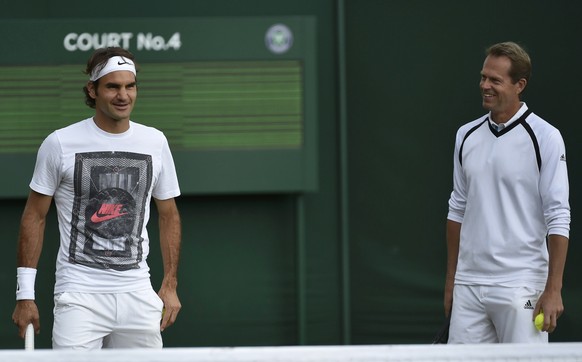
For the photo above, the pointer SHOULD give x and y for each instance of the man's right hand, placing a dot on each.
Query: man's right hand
(25, 313)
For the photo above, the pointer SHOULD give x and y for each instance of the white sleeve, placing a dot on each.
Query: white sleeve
(47, 170)
(554, 186)
(167, 186)
(458, 199)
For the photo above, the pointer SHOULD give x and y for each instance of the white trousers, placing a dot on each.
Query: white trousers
(109, 320)
(490, 314)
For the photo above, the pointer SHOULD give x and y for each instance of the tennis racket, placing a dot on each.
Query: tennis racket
(29, 338)
(442, 336)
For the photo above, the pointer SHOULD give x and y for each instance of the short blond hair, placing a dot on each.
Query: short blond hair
(520, 60)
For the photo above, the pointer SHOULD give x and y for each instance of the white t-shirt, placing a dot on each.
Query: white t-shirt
(510, 191)
(102, 185)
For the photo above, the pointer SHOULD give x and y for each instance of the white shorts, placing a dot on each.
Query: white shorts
(109, 320)
(486, 314)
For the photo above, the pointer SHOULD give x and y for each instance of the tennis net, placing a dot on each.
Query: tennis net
(563, 352)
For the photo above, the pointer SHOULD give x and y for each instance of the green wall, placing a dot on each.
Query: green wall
(256, 269)
(413, 70)
(270, 269)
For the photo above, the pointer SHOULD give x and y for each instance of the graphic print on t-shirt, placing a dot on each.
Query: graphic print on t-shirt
(111, 191)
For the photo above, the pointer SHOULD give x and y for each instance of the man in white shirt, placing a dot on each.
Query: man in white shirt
(509, 214)
(102, 173)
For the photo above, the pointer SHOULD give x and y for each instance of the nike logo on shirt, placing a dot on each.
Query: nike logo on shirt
(108, 212)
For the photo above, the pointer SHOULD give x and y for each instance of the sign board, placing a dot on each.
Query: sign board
(236, 97)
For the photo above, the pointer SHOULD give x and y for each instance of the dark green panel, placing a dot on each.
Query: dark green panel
(236, 278)
(151, 39)
(413, 76)
(237, 272)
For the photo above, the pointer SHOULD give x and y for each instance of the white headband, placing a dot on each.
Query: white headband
(113, 64)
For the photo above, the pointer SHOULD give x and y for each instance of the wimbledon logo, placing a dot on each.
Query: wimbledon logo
(279, 39)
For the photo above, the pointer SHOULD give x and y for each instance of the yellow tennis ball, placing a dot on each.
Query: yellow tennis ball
(539, 321)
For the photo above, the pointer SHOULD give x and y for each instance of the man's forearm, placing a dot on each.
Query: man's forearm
(558, 249)
(170, 239)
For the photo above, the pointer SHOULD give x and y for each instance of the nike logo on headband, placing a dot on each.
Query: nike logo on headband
(113, 64)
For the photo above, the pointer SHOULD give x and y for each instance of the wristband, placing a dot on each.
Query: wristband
(25, 278)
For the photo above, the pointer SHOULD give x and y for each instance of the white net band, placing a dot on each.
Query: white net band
(563, 352)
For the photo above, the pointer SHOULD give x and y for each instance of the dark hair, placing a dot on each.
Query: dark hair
(99, 59)
(520, 61)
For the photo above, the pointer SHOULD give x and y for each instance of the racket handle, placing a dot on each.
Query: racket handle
(29, 338)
